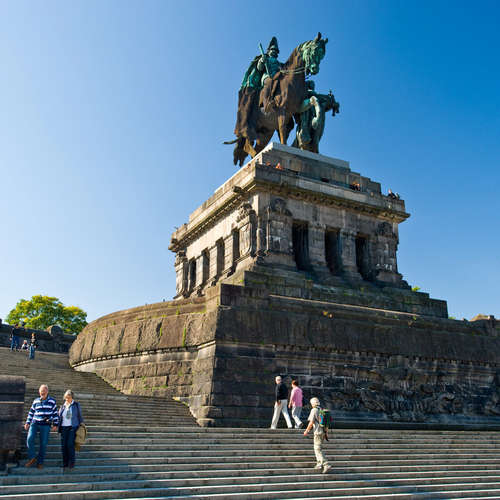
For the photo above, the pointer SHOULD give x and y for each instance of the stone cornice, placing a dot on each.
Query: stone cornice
(285, 189)
(179, 241)
(284, 183)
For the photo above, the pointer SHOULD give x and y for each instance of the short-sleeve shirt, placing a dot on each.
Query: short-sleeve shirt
(314, 417)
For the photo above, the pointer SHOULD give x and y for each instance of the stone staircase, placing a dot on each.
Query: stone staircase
(151, 448)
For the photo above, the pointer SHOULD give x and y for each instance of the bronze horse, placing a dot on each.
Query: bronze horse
(281, 98)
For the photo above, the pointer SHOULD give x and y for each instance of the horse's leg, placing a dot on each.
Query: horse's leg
(248, 147)
(282, 126)
(263, 140)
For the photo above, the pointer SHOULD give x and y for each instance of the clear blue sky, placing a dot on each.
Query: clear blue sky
(113, 115)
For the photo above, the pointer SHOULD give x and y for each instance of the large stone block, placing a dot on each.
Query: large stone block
(12, 390)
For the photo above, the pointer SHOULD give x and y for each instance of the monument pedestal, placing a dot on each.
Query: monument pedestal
(290, 269)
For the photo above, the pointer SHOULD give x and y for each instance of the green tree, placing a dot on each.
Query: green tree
(42, 311)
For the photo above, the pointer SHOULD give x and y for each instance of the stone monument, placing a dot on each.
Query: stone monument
(290, 268)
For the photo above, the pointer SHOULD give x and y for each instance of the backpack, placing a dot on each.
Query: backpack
(325, 419)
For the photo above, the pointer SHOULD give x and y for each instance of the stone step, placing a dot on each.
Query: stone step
(96, 403)
(295, 489)
(271, 482)
(345, 433)
(341, 467)
(77, 476)
(120, 439)
(127, 457)
(179, 448)
(256, 456)
(169, 435)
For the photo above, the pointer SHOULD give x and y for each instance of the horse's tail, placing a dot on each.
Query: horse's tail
(231, 142)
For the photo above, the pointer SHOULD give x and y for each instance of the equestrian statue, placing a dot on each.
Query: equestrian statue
(274, 96)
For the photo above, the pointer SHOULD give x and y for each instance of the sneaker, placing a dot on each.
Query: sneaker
(30, 463)
(326, 468)
(318, 466)
(300, 425)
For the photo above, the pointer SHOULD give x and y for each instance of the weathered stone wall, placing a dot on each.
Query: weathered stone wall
(12, 389)
(51, 340)
(220, 353)
(163, 349)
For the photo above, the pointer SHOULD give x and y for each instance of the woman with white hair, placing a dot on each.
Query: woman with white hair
(319, 435)
(70, 418)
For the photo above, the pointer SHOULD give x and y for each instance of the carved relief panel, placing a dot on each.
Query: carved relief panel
(279, 227)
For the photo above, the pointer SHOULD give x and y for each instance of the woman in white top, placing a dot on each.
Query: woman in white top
(70, 418)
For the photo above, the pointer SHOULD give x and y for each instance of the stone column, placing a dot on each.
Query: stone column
(279, 246)
(246, 225)
(385, 246)
(261, 237)
(213, 271)
(348, 254)
(191, 280)
(229, 253)
(181, 274)
(317, 256)
(202, 268)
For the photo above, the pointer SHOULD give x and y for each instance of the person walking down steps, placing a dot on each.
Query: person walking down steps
(280, 404)
(32, 347)
(70, 418)
(41, 418)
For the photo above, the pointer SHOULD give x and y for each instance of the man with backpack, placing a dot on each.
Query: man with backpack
(320, 421)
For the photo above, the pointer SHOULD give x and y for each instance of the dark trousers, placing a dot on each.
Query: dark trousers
(14, 343)
(44, 431)
(68, 445)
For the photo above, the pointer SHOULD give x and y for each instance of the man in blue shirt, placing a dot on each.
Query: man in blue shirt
(41, 418)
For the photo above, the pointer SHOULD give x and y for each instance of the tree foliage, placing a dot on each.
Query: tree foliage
(42, 311)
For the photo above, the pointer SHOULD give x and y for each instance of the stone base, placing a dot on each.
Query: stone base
(343, 289)
(12, 389)
(220, 353)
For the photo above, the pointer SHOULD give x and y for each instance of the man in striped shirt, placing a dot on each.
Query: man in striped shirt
(41, 417)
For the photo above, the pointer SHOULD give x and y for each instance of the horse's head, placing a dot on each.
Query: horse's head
(312, 53)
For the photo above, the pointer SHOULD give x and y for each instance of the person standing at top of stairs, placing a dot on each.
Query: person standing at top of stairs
(280, 404)
(41, 417)
(14, 338)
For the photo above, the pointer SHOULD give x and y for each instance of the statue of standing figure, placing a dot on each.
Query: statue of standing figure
(311, 123)
(273, 96)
